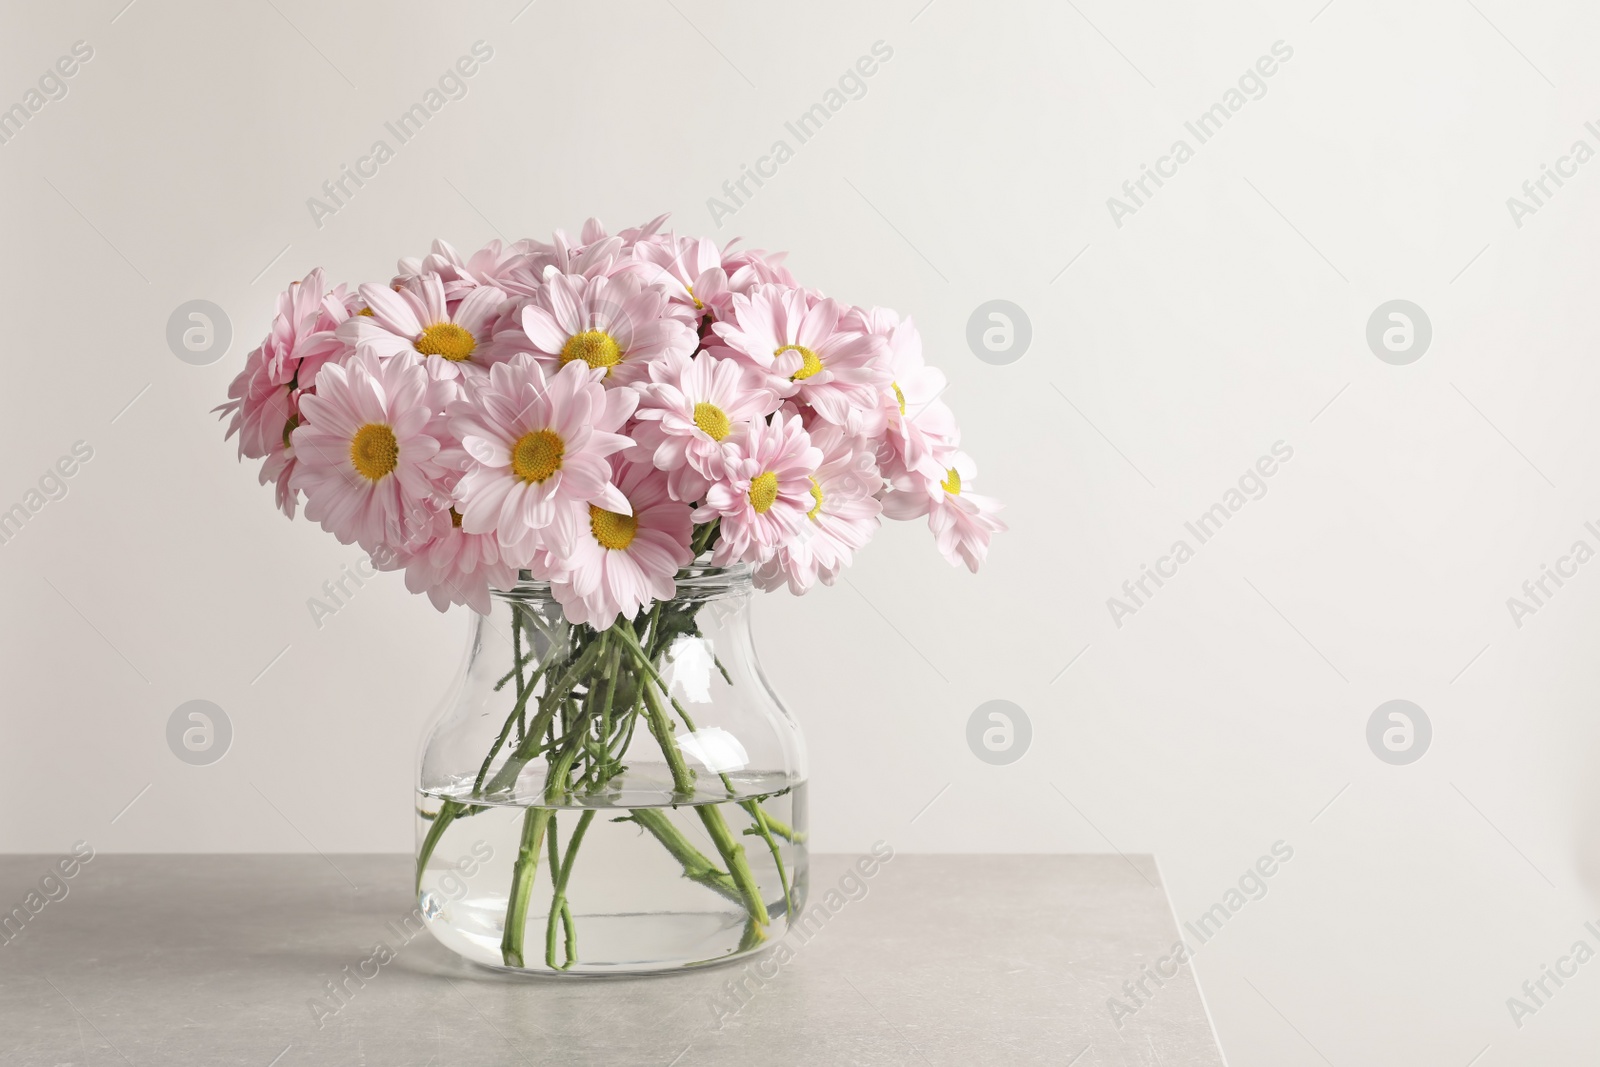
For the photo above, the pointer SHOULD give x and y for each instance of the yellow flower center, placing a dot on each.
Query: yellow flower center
(712, 420)
(612, 530)
(899, 396)
(374, 452)
(697, 305)
(810, 365)
(595, 347)
(365, 311)
(448, 340)
(763, 491)
(952, 484)
(288, 428)
(816, 494)
(537, 455)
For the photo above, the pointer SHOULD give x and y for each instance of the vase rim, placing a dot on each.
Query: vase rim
(697, 578)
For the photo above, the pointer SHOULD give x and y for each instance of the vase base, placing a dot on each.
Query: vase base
(619, 972)
(623, 946)
(657, 889)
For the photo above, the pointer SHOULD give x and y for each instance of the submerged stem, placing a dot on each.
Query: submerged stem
(728, 847)
(753, 807)
(558, 904)
(738, 866)
(696, 866)
(534, 821)
(586, 709)
(779, 827)
(441, 822)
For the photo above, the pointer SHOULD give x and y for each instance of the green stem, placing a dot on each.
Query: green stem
(554, 847)
(528, 859)
(753, 935)
(505, 731)
(733, 855)
(754, 809)
(548, 704)
(779, 827)
(558, 903)
(582, 744)
(756, 812)
(534, 821)
(615, 741)
(696, 867)
(661, 728)
(521, 663)
(602, 776)
(552, 840)
(523, 688)
(571, 931)
(441, 822)
(728, 847)
(702, 537)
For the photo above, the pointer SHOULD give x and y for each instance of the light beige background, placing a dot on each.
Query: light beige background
(1227, 314)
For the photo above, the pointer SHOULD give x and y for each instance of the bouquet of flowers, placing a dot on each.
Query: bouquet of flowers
(598, 414)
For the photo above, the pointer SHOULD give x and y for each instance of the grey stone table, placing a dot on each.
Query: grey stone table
(974, 960)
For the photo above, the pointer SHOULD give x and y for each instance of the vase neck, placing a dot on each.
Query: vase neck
(693, 583)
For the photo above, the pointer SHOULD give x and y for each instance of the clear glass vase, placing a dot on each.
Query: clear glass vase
(621, 801)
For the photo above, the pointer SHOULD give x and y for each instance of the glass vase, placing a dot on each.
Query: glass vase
(619, 801)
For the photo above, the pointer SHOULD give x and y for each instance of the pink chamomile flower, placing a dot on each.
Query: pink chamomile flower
(456, 567)
(366, 455)
(808, 349)
(749, 267)
(615, 325)
(595, 254)
(962, 521)
(910, 417)
(263, 399)
(493, 265)
(765, 490)
(688, 413)
(617, 563)
(842, 518)
(416, 318)
(537, 444)
(689, 270)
